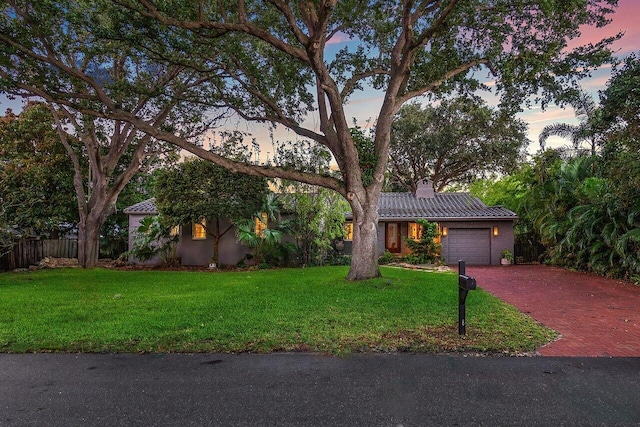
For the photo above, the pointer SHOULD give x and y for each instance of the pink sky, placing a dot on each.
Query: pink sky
(366, 105)
(626, 20)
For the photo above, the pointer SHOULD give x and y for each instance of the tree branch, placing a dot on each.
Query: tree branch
(429, 32)
(432, 86)
(244, 26)
(349, 84)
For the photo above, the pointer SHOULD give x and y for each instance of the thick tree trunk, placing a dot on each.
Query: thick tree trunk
(364, 254)
(88, 242)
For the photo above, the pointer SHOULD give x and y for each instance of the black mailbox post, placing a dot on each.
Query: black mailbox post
(465, 284)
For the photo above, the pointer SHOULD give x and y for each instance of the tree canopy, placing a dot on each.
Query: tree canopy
(56, 52)
(585, 207)
(198, 191)
(268, 61)
(36, 176)
(459, 140)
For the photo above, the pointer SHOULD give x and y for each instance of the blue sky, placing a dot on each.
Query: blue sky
(364, 106)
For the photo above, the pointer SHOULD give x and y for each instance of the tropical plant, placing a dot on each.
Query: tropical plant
(426, 249)
(507, 254)
(583, 222)
(264, 232)
(154, 238)
(586, 130)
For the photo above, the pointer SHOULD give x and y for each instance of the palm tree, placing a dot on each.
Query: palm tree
(266, 242)
(586, 111)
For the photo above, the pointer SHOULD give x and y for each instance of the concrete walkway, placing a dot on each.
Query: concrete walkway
(594, 315)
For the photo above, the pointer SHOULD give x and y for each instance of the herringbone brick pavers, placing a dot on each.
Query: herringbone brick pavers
(595, 316)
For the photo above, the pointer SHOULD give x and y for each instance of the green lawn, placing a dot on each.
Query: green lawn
(312, 309)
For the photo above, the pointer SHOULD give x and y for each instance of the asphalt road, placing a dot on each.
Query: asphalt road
(308, 389)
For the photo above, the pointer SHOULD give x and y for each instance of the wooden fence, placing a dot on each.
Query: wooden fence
(32, 251)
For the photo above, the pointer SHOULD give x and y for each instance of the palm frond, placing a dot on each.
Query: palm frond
(563, 130)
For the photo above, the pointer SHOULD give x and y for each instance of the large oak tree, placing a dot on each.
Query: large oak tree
(456, 142)
(54, 52)
(268, 61)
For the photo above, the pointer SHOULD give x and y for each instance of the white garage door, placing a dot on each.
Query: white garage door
(470, 244)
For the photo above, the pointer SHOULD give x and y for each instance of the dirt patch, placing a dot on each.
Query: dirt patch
(51, 262)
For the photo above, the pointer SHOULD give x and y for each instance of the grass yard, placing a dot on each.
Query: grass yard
(312, 309)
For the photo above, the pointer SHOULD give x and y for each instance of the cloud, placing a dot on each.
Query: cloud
(625, 19)
(339, 37)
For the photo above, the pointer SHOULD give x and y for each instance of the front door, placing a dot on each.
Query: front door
(392, 237)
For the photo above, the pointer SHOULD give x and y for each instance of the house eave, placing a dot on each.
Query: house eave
(448, 219)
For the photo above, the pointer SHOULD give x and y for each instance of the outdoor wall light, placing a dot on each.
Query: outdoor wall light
(445, 231)
(495, 231)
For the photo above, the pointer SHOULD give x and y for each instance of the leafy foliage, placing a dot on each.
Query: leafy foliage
(368, 159)
(317, 214)
(197, 191)
(426, 249)
(460, 140)
(153, 238)
(267, 243)
(36, 176)
(579, 215)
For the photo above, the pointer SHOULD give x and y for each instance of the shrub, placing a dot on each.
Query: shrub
(425, 250)
(387, 258)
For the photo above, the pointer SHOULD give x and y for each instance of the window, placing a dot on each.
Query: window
(198, 231)
(415, 231)
(175, 231)
(261, 224)
(348, 231)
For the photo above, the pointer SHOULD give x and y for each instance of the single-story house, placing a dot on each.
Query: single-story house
(469, 229)
(195, 245)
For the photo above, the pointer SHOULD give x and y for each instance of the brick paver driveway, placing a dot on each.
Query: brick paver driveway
(594, 315)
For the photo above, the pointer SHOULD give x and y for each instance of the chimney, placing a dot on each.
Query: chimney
(425, 189)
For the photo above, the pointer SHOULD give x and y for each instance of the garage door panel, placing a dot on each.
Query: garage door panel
(470, 244)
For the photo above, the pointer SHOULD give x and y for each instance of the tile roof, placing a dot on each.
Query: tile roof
(148, 207)
(444, 206)
(405, 206)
